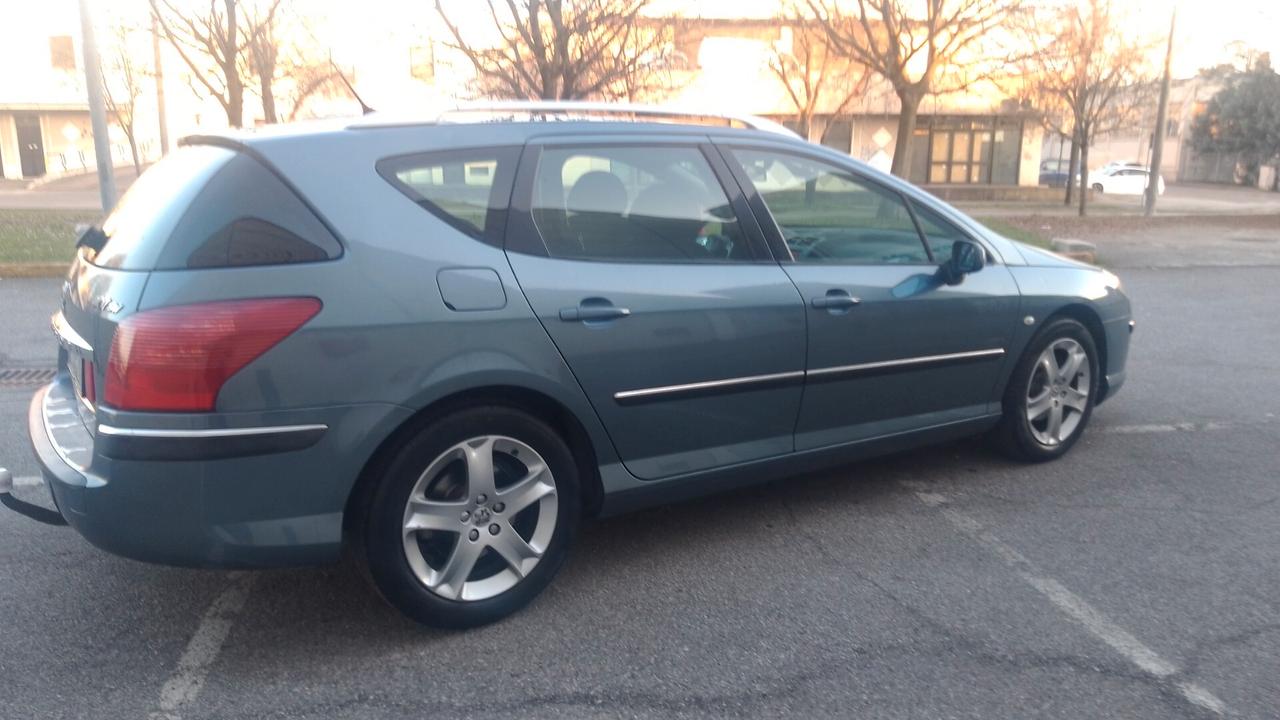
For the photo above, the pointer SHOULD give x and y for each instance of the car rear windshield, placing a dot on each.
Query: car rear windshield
(141, 223)
(211, 207)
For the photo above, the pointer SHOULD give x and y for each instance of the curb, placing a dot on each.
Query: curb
(33, 270)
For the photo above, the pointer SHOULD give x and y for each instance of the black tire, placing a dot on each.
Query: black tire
(1097, 187)
(1014, 435)
(383, 543)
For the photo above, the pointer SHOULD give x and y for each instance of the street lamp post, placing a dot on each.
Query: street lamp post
(1162, 118)
(97, 109)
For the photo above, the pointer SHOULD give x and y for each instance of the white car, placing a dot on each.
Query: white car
(1121, 164)
(1123, 180)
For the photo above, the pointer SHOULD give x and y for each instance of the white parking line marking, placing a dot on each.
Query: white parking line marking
(1199, 696)
(1072, 605)
(203, 649)
(1165, 428)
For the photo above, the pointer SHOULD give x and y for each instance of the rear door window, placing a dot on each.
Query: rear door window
(649, 203)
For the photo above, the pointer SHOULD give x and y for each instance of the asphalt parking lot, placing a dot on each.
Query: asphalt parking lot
(1139, 577)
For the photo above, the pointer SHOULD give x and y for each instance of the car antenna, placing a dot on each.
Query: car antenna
(364, 109)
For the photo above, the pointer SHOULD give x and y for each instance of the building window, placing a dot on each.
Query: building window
(966, 150)
(839, 135)
(62, 52)
(422, 62)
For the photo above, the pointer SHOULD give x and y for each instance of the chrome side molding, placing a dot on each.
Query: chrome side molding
(906, 362)
(690, 388)
(211, 444)
(113, 431)
(827, 373)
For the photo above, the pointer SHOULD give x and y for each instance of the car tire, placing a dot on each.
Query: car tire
(467, 552)
(1051, 393)
(1097, 187)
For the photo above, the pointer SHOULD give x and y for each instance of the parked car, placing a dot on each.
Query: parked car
(1123, 180)
(1054, 173)
(1121, 164)
(442, 344)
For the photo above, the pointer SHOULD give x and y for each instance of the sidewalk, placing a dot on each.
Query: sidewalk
(72, 192)
(1178, 199)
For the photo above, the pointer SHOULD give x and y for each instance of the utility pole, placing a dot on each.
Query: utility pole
(97, 110)
(1162, 118)
(164, 122)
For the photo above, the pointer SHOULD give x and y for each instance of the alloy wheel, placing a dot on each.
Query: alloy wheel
(1058, 392)
(480, 518)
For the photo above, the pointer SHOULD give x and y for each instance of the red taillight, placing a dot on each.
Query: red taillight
(177, 358)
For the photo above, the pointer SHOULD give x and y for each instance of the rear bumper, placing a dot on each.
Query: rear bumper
(182, 496)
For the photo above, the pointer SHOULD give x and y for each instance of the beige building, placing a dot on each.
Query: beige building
(970, 138)
(723, 64)
(44, 116)
(44, 113)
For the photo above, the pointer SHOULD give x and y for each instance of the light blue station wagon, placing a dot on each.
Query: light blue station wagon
(444, 344)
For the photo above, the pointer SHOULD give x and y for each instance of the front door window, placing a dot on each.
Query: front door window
(827, 215)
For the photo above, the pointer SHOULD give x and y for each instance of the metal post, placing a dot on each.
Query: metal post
(164, 122)
(97, 110)
(1162, 118)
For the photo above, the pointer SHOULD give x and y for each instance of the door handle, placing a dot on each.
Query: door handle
(835, 300)
(593, 313)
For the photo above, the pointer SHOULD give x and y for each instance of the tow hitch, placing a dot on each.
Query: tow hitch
(35, 512)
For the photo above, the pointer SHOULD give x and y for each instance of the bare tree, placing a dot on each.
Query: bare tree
(215, 45)
(122, 85)
(1089, 78)
(273, 62)
(556, 50)
(308, 78)
(810, 72)
(263, 56)
(210, 42)
(920, 48)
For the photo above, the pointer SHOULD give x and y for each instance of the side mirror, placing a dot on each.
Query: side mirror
(966, 257)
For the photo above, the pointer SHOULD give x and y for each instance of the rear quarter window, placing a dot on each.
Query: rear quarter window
(468, 189)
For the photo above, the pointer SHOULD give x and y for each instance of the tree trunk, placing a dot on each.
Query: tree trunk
(268, 99)
(231, 73)
(133, 148)
(235, 99)
(815, 128)
(1084, 174)
(1072, 164)
(910, 102)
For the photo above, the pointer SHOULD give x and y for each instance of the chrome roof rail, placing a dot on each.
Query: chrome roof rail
(622, 111)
